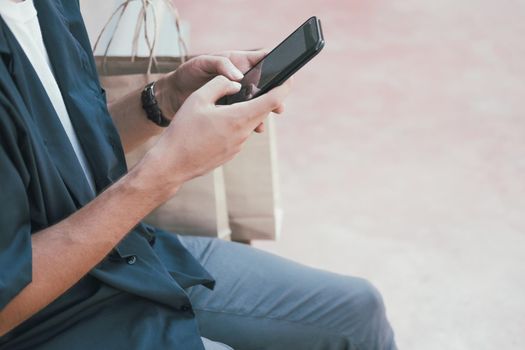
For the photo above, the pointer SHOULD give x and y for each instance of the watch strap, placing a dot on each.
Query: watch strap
(151, 106)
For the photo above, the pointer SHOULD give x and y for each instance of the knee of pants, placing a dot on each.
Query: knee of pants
(367, 302)
(364, 319)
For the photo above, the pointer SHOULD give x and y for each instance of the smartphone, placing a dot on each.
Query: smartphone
(281, 63)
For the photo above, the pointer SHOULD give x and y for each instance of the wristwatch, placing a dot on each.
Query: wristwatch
(151, 106)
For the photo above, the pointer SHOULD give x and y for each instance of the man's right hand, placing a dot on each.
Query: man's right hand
(203, 135)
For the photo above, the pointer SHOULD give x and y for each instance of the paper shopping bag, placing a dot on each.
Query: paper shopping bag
(251, 179)
(252, 188)
(199, 207)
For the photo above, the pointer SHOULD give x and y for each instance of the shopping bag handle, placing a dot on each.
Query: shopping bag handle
(141, 19)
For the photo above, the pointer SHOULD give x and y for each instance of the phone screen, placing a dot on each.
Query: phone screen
(278, 62)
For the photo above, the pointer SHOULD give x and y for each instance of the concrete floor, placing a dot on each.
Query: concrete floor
(402, 155)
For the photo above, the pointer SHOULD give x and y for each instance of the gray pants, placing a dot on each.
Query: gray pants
(263, 301)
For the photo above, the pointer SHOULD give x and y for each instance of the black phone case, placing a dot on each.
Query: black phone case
(286, 74)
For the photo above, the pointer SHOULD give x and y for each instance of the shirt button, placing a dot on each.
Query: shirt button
(131, 260)
(185, 307)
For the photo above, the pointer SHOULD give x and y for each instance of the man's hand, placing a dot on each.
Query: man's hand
(204, 135)
(173, 89)
(177, 86)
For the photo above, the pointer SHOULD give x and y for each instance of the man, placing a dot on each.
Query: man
(78, 268)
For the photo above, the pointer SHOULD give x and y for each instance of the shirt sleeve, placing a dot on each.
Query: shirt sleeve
(15, 226)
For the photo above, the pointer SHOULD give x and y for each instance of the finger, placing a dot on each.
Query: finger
(279, 110)
(254, 57)
(256, 109)
(260, 128)
(218, 87)
(218, 65)
(244, 60)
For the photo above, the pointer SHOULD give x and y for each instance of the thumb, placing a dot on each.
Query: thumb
(256, 109)
(218, 87)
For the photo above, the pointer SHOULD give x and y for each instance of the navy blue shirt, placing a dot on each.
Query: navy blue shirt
(135, 298)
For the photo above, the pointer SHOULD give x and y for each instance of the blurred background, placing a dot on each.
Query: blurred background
(402, 154)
